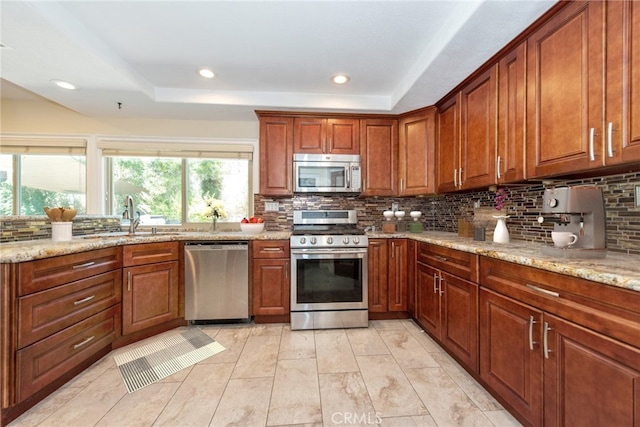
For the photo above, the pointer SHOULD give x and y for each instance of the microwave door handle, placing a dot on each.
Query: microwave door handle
(348, 177)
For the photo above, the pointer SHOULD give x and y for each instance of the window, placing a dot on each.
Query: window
(177, 184)
(35, 173)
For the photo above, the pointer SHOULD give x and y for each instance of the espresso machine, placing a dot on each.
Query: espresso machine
(578, 210)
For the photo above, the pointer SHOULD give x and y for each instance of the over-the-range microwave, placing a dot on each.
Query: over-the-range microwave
(327, 173)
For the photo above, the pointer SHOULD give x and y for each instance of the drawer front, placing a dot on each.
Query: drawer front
(150, 253)
(460, 263)
(41, 363)
(35, 276)
(612, 311)
(45, 313)
(265, 249)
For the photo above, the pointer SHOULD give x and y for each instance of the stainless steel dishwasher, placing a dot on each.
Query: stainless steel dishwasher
(216, 280)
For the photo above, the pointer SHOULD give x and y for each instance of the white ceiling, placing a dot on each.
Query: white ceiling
(401, 55)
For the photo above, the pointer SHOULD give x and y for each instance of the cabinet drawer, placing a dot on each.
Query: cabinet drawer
(47, 273)
(270, 249)
(149, 253)
(44, 313)
(612, 311)
(460, 263)
(41, 363)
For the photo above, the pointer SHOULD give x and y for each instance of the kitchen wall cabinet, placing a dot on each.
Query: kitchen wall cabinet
(447, 299)
(388, 285)
(512, 87)
(466, 149)
(379, 156)
(326, 136)
(271, 280)
(416, 153)
(276, 156)
(559, 350)
(150, 285)
(58, 316)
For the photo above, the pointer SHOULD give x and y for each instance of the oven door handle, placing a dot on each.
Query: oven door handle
(333, 251)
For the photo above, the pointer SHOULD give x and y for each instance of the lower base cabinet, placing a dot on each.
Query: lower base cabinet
(271, 282)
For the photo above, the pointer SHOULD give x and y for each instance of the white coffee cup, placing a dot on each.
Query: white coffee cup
(562, 239)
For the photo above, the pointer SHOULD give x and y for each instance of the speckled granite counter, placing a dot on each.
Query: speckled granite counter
(616, 269)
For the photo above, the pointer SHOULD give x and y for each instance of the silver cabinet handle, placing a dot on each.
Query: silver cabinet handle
(86, 264)
(460, 177)
(543, 291)
(271, 249)
(592, 135)
(498, 161)
(531, 341)
(440, 258)
(610, 139)
(545, 340)
(83, 342)
(128, 281)
(455, 177)
(435, 281)
(440, 281)
(80, 301)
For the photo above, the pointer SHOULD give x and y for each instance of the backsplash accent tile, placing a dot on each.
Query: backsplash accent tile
(21, 228)
(441, 212)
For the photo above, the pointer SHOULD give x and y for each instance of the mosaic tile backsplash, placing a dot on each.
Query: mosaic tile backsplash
(442, 212)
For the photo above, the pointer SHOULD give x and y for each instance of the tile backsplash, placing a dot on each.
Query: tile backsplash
(442, 212)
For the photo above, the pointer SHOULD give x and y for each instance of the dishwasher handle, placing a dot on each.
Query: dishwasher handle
(222, 246)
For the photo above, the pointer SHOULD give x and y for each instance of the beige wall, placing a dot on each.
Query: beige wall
(50, 118)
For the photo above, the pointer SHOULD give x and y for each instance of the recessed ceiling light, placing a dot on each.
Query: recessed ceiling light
(206, 73)
(340, 79)
(64, 84)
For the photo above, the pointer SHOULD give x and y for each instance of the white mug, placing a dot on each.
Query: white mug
(562, 239)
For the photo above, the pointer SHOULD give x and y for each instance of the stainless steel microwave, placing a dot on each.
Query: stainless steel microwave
(327, 173)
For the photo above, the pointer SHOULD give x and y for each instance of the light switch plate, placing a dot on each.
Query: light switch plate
(271, 206)
(638, 196)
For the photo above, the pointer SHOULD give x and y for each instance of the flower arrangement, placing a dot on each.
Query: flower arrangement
(215, 209)
(501, 198)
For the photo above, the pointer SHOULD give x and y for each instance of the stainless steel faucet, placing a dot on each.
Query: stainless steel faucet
(129, 213)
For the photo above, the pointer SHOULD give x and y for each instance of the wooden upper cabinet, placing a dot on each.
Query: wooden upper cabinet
(379, 152)
(478, 131)
(448, 145)
(512, 81)
(564, 87)
(621, 129)
(276, 156)
(416, 153)
(326, 136)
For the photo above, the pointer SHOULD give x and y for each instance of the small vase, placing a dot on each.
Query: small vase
(501, 233)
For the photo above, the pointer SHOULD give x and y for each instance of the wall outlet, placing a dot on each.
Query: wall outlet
(395, 206)
(271, 206)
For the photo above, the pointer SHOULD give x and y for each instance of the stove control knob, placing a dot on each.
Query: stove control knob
(552, 203)
(329, 240)
(313, 240)
(303, 240)
(356, 240)
(345, 240)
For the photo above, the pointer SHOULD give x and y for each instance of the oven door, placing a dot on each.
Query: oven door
(329, 279)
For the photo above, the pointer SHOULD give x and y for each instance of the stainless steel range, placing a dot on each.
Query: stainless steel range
(328, 270)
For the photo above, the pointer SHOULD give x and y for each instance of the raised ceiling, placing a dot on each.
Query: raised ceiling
(400, 55)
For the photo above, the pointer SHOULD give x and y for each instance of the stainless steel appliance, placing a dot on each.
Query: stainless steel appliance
(328, 270)
(580, 211)
(327, 173)
(216, 280)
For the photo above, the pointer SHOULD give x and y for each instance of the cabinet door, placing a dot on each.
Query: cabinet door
(398, 254)
(150, 296)
(565, 87)
(271, 287)
(428, 298)
(510, 354)
(622, 122)
(478, 131)
(378, 279)
(309, 135)
(343, 136)
(416, 151)
(511, 115)
(379, 152)
(276, 156)
(448, 145)
(459, 332)
(589, 379)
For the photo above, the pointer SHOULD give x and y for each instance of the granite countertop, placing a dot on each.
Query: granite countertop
(616, 269)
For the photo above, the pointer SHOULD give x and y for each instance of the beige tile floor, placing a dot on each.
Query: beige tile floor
(389, 374)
